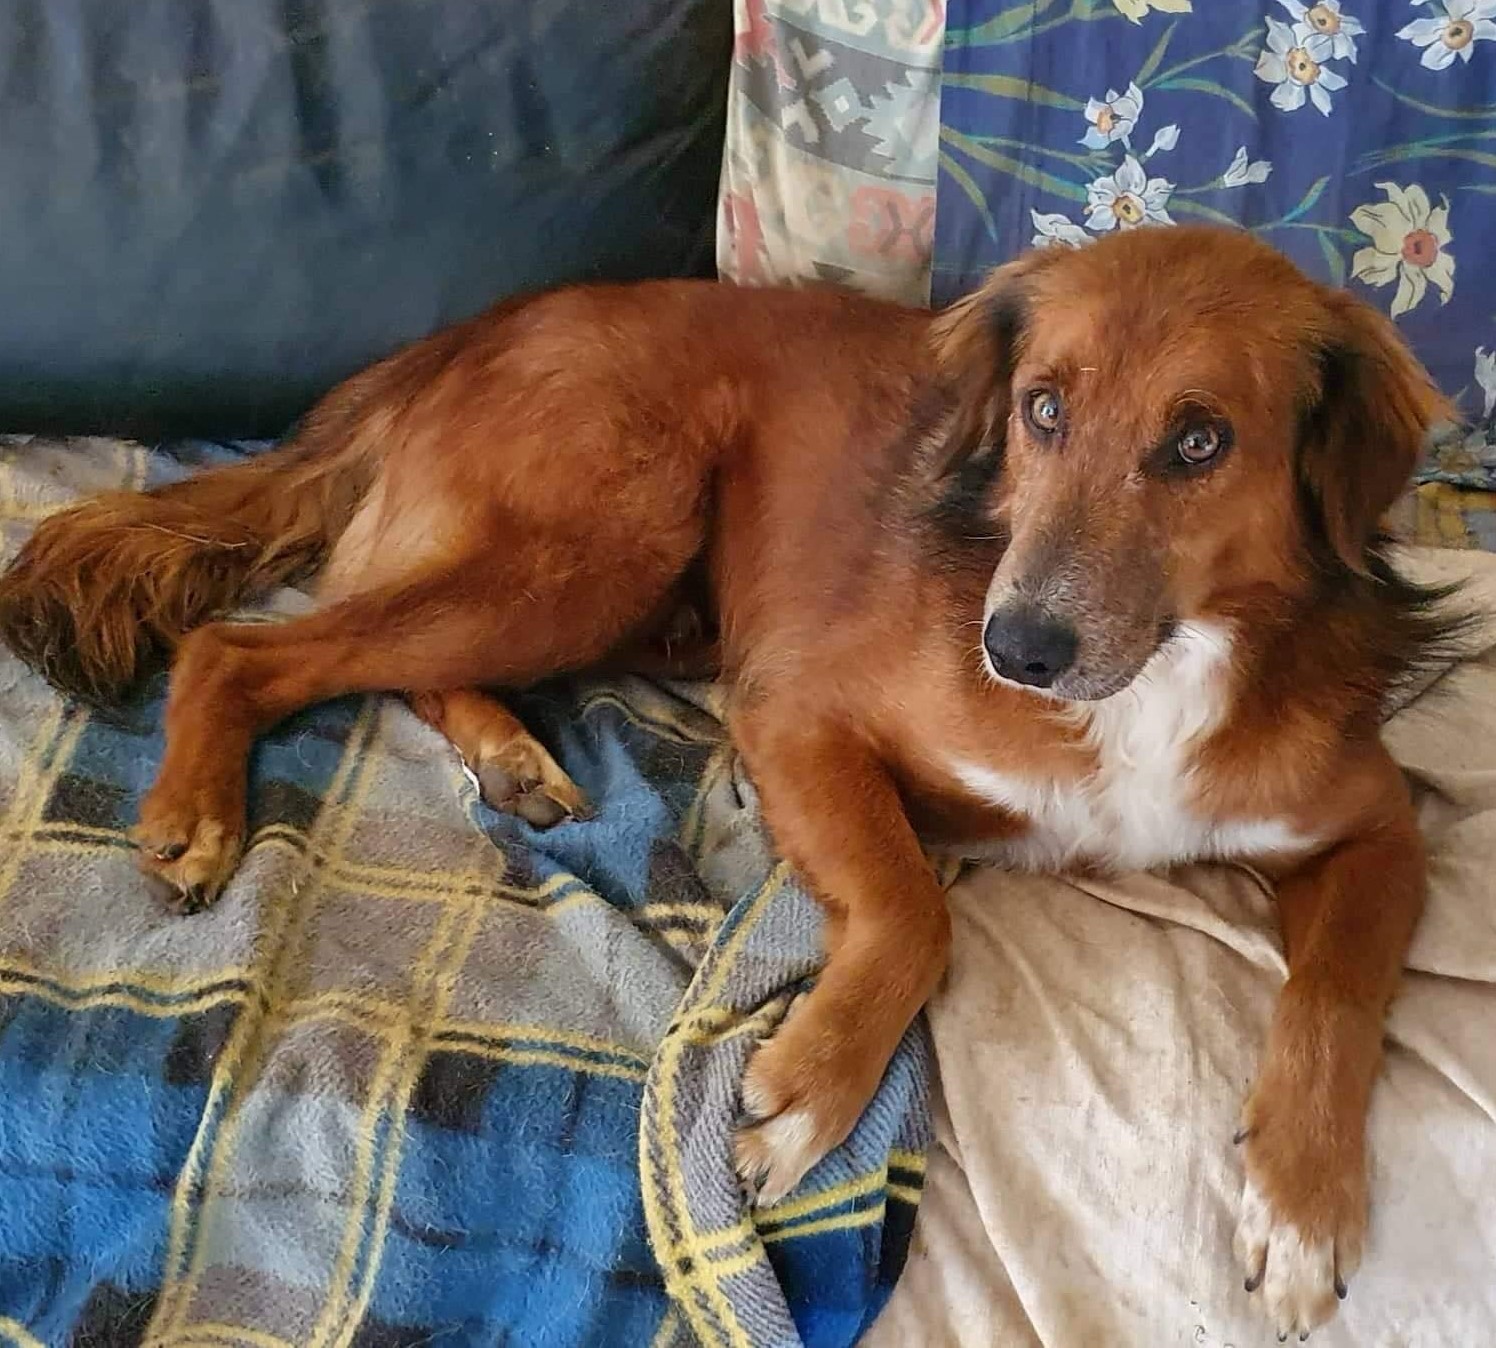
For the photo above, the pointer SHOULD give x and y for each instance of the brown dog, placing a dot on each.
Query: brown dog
(1082, 572)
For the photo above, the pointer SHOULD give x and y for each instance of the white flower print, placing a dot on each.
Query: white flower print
(1298, 68)
(1135, 9)
(1410, 241)
(1485, 376)
(1166, 138)
(1127, 199)
(1326, 20)
(1239, 173)
(1454, 31)
(1052, 231)
(1112, 118)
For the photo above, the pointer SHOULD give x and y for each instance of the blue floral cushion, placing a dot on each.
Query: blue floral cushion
(1359, 136)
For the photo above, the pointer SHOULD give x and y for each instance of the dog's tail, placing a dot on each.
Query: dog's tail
(102, 592)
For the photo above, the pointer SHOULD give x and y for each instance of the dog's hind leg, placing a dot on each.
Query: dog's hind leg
(514, 771)
(483, 623)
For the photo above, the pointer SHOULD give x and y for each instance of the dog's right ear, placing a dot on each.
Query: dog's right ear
(975, 343)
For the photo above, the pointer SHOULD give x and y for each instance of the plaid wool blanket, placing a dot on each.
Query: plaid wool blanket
(423, 1075)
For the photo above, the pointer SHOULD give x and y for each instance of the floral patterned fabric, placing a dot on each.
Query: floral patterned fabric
(828, 172)
(1358, 136)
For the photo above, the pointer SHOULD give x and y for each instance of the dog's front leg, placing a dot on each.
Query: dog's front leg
(835, 814)
(1348, 918)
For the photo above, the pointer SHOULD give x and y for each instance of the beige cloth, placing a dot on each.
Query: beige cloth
(1095, 1041)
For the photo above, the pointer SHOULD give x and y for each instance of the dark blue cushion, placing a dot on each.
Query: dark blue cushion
(211, 210)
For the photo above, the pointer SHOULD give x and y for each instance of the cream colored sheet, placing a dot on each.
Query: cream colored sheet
(1095, 1041)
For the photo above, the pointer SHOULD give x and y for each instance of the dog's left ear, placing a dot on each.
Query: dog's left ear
(974, 343)
(1366, 425)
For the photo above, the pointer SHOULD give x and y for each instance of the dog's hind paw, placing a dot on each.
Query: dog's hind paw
(189, 856)
(523, 779)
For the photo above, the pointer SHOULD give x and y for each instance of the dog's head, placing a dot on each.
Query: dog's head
(1174, 422)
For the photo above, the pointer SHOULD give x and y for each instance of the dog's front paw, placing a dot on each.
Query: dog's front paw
(803, 1093)
(1303, 1218)
(1301, 1276)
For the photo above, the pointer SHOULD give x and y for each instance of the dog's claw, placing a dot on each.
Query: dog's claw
(1341, 1290)
(751, 1181)
(1240, 1136)
(1254, 1282)
(183, 900)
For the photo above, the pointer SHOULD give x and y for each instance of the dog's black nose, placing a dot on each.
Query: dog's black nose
(1027, 646)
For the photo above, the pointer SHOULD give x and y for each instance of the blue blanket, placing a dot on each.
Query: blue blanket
(423, 1075)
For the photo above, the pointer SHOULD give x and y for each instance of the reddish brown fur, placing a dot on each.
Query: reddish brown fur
(840, 481)
(104, 589)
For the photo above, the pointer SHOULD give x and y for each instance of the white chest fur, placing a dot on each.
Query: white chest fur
(1138, 810)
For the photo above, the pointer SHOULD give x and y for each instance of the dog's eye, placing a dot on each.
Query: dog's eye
(1200, 444)
(1043, 411)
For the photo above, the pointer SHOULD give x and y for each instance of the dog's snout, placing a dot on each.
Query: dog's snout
(1027, 646)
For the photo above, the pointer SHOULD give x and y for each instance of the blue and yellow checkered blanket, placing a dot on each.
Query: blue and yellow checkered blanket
(423, 1075)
